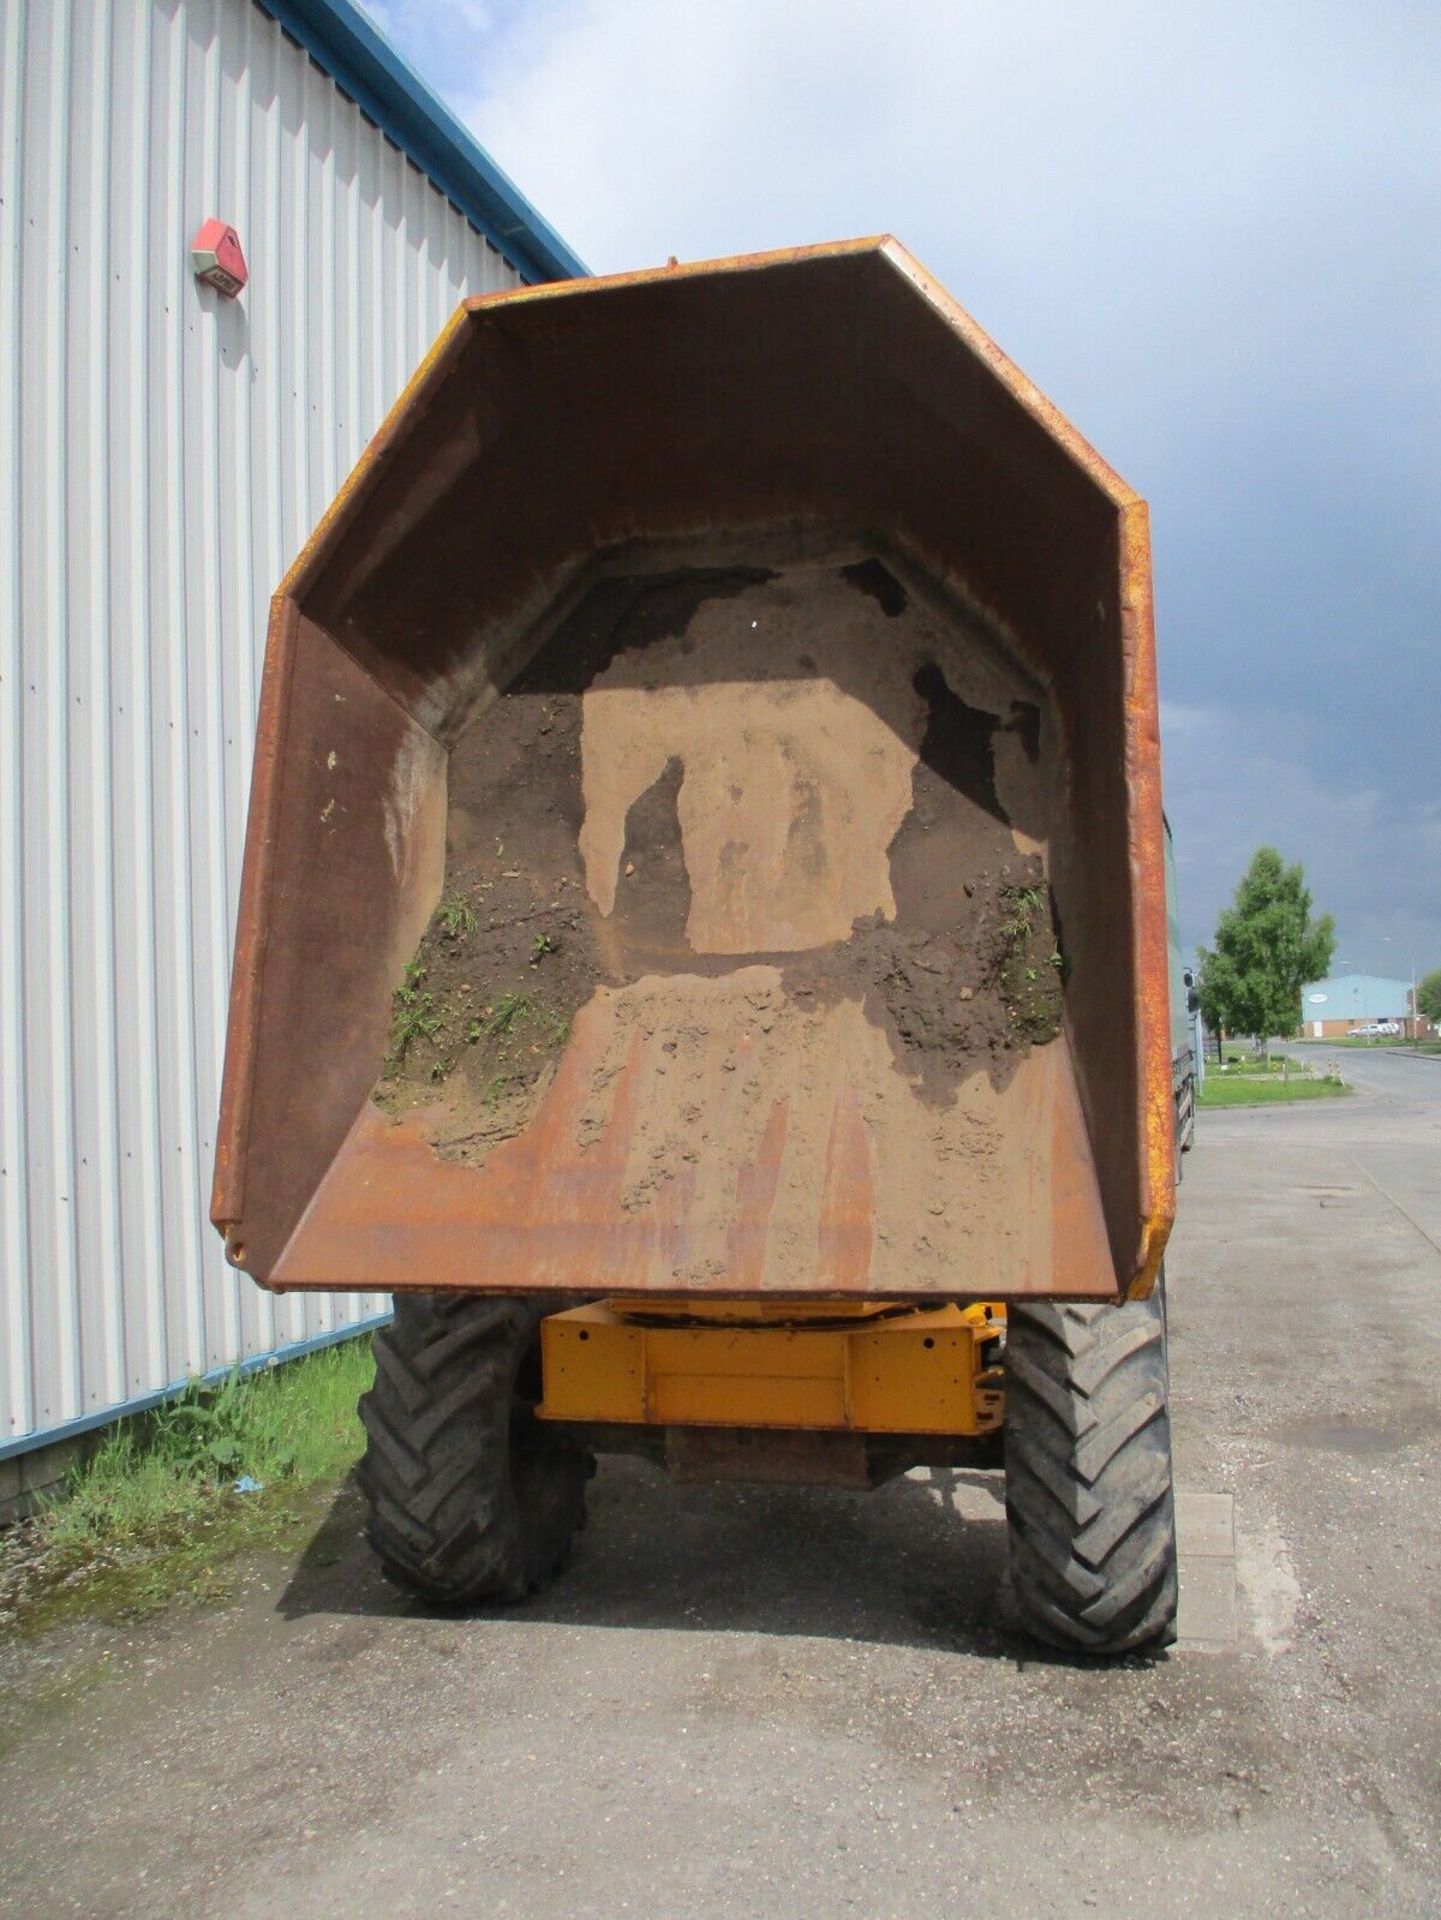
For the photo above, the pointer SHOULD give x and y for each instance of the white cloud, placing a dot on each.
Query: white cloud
(1207, 231)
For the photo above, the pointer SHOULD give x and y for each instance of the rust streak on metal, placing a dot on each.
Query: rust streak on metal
(1157, 1117)
(756, 1184)
(256, 890)
(848, 1202)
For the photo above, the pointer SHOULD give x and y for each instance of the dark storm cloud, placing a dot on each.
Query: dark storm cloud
(1210, 233)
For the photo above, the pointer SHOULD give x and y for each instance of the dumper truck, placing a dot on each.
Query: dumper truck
(703, 938)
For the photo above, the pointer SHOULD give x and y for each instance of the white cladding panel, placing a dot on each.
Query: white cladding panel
(163, 454)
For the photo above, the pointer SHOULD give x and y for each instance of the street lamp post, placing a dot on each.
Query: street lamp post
(1415, 1021)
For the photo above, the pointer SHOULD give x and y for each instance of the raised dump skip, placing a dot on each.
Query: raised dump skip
(702, 834)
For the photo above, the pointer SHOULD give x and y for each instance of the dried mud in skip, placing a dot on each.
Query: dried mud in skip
(792, 802)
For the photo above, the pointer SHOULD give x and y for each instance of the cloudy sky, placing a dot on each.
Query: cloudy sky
(1211, 232)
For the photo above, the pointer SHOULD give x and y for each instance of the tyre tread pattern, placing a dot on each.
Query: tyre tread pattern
(1088, 1475)
(457, 1511)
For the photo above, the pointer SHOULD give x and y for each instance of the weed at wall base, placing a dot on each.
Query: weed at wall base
(155, 1509)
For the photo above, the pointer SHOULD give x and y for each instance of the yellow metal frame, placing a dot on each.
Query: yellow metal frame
(852, 1367)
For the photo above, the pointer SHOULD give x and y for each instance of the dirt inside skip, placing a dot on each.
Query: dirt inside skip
(724, 691)
(513, 949)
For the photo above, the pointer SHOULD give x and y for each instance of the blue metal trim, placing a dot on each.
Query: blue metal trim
(87, 1423)
(340, 39)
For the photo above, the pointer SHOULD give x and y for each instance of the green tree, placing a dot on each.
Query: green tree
(1428, 995)
(1267, 948)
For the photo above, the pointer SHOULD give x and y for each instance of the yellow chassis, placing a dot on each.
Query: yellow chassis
(857, 1367)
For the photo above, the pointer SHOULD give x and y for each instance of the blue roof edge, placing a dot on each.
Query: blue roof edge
(340, 38)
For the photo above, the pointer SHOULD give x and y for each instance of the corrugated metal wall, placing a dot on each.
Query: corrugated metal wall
(163, 453)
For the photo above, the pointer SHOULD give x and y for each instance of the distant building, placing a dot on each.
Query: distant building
(1330, 1009)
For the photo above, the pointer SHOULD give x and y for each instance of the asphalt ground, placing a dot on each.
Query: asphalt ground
(767, 1703)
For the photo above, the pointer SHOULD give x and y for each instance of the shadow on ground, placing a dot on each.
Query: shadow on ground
(921, 1562)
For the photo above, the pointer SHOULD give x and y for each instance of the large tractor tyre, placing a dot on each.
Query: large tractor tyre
(470, 1497)
(1088, 1475)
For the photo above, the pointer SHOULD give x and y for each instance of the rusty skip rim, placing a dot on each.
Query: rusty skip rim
(227, 1200)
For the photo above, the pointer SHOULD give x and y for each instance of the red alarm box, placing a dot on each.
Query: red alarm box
(216, 257)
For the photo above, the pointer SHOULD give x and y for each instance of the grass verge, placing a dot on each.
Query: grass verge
(1388, 1044)
(155, 1514)
(1243, 1090)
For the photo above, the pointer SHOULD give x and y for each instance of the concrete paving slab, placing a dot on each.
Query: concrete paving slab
(1205, 1524)
(1207, 1618)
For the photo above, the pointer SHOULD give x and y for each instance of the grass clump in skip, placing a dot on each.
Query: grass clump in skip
(440, 1022)
(414, 1014)
(168, 1498)
(1033, 969)
(456, 916)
